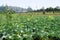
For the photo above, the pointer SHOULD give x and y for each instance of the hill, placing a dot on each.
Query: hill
(16, 9)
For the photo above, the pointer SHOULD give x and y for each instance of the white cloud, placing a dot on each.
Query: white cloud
(35, 4)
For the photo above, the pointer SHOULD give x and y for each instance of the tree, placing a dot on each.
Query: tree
(29, 9)
(43, 10)
(57, 8)
(9, 11)
(50, 9)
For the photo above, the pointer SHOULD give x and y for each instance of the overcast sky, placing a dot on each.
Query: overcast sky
(34, 4)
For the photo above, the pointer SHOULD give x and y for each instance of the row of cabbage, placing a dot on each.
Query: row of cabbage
(28, 27)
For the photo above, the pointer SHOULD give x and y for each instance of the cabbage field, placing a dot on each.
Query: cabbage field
(29, 27)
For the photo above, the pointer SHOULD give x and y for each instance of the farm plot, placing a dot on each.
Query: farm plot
(29, 27)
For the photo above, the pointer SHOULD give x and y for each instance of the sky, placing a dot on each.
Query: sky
(34, 4)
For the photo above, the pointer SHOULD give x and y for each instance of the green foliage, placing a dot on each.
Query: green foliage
(18, 27)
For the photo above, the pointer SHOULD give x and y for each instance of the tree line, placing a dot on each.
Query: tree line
(29, 9)
(50, 9)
